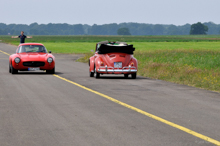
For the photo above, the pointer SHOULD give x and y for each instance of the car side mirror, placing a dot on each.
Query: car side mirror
(50, 52)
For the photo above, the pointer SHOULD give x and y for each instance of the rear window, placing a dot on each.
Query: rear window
(108, 48)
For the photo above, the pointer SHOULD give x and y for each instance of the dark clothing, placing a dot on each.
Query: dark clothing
(22, 38)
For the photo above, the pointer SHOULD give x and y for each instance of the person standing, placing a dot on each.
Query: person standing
(22, 37)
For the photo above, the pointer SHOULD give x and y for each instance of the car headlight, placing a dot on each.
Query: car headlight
(49, 60)
(17, 60)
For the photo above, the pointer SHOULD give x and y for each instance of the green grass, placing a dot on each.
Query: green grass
(154, 46)
(84, 44)
(76, 47)
(190, 67)
(85, 38)
(85, 47)
(189, 60)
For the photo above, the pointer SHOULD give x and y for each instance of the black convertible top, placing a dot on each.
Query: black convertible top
(113, 47)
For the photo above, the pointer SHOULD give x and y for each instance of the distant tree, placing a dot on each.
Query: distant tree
(213, 28)
(184, 29)
(37, 32)
(123, 31)
(78, 29)
(3, 26)
(198, 28)
(158, 29)
(172, 30)
(95, 30)
(1, 32)
(86, 28)
(133, 28)
(7, 31)
(145, 29)
(108, 29)
(32, 25)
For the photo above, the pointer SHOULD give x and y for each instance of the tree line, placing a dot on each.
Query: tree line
(105, 29)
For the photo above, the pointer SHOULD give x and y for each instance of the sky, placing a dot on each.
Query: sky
(177, 12)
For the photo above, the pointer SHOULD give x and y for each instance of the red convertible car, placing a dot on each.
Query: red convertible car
(113, 58)
(31, 57)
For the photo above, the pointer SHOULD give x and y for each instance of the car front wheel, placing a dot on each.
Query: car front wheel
(13, 71)
(51, 71)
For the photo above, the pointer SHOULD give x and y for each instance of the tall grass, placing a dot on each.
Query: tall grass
(190, 67)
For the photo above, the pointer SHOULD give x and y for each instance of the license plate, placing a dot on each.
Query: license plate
(33, 68)
(117, 64)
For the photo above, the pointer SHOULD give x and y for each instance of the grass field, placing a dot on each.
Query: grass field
(190, 67)
(189, 60)
(85, 38)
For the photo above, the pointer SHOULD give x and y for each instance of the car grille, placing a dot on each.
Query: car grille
(33, 64)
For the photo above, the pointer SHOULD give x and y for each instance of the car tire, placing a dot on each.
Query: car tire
(126, 76)
(91, 74)
(51, 71)
(9, 68)
(97, 75)
(134, 75)
(14, 71)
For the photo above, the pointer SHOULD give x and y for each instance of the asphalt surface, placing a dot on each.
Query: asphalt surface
(37, 109)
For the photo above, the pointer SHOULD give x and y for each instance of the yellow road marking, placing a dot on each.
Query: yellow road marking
(145, 113)
(5, 53)
(196, 134)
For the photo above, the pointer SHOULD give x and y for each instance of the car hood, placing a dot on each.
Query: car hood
(33, 56)
(110, 58)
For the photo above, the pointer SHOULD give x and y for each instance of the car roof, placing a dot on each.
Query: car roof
(24, 44)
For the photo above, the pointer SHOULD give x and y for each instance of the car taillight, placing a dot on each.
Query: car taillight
(102, 64)
(132, 64)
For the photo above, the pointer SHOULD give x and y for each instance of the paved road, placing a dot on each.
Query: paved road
(37, 109)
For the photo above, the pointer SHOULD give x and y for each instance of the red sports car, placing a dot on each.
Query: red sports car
(31, 57)
(113, 58)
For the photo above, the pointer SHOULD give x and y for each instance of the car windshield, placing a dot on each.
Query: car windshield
(116, 44)
(32, 48)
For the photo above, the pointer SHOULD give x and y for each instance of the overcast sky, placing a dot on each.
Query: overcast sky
(178, 12)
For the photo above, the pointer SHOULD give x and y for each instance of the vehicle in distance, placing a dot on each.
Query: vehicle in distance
(113, 58)
(31, 57)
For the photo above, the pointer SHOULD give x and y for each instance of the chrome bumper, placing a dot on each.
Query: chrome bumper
(112, 69)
